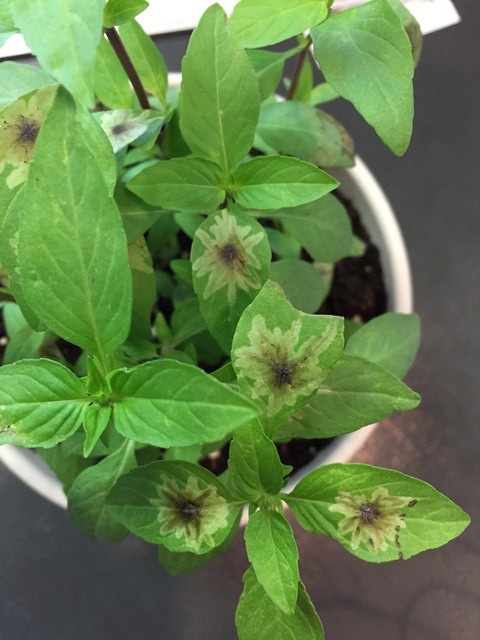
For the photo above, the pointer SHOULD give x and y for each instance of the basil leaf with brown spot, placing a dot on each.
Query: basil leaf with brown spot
(376, 514)
(230, 262)
(355, 393)
(281, 356)
(177, 504)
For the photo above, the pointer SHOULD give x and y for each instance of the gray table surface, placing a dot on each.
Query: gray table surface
(57, 585)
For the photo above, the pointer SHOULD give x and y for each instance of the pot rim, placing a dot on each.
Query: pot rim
(358, 184)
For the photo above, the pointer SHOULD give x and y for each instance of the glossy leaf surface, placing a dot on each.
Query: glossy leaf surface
(168, 403)
(41, 403)
(272, 550)
(278, 181)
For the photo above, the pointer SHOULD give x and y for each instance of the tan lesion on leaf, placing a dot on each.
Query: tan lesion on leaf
(20, 125)
(280, 366)
(228, 259)
(193, 511)
(372, 521)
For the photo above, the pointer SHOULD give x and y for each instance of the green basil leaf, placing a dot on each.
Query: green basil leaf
(283, 244)
(181, 184)
(137, 216)
(144, 291)
(298, 129)
(66, 46)
(390, 340)
(272, 550)
(322, 228)
(95, 422)
(376, 514)
(177, 504)
(168, 403)
(118, 12)
(268, 66)
(146, 59)
(66, 467)
(365, 55)
(322, 93)
(258, 618)
(87, 507)
(230, 263)
(281, 355)
(355, 393)
(219, 98)
(24, 342)
(41, 403)
(301, 282)
(411, 26)
(254, 467)
(73, 256)
(258, 23)
(111, 83)
(304, 86)
(7, 24)
(17, 79)
(20, 124)
(278, 181)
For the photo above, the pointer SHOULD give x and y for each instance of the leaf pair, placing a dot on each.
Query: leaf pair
(219, 109)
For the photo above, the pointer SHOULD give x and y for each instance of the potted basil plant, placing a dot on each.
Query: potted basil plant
(166, 253)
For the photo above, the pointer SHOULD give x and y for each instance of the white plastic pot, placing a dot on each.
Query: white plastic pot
(359, 185)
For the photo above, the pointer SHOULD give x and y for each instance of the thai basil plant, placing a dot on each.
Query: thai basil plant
(148, 324)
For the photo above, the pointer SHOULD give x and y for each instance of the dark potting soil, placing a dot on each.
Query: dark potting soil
(357, 292)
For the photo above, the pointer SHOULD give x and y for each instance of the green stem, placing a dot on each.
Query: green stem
(127, 64)
(298, 69)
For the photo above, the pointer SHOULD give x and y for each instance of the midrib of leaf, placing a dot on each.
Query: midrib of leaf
(87, 297)
(42, 403)
(276, 561)
(220, 123)
(364, 52)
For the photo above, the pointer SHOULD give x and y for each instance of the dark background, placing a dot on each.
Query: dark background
(56, 584)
